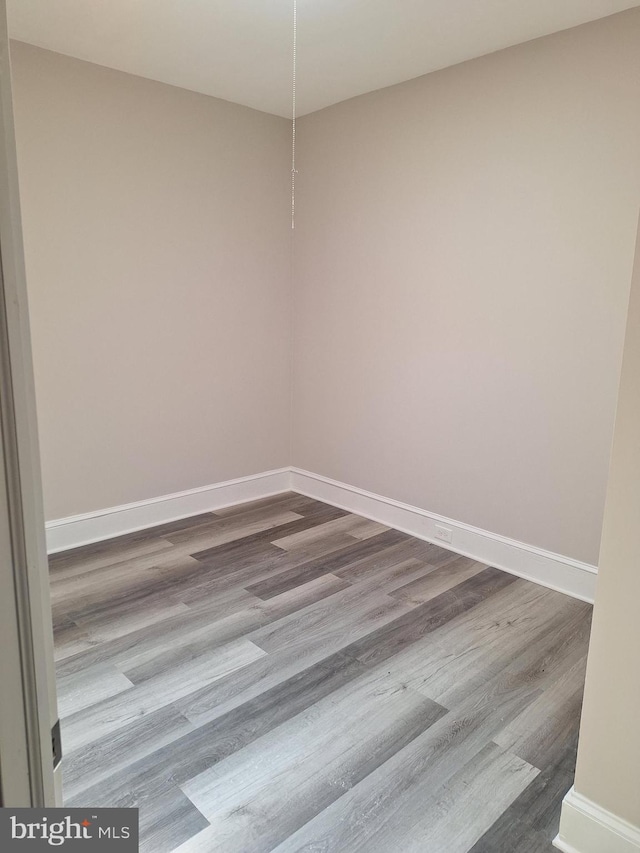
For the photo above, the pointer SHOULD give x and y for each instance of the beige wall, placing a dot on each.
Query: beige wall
(464, 243)
(158, 258)
(608, 770)
(463, 252)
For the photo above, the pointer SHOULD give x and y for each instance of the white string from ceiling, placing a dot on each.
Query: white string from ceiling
(293, 113)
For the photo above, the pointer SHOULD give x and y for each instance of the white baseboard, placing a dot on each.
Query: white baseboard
(585, 827)
(65, 533)
(551, 570)
(544, 567)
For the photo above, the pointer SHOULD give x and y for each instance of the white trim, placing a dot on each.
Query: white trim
(551, 570)
(65, 533)
(555, 571)
(585, 827)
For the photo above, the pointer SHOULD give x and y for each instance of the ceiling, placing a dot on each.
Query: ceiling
(240, 50)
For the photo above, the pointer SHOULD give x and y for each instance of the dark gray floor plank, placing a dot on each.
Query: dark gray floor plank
(169, 821)
(229, 556)
(296, 523)
(363, 559)
(292, 501)
(532, 820)
(366, 565)
(512, 836)
(287, 580)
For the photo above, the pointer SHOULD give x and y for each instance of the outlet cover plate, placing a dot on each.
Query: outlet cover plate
(444, 533)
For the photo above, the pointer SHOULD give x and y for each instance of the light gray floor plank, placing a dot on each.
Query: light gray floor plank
(261, 794)
(388, 580)
(69, 640)
(129, 618)
(102, 589)
(319, 546)
(340, 620)
(466, 651)
(458, 813)
(88, 687)
(88, 772)
(118, 711)
(144, 644)
(108, 554)
(402, 785)
(440, 580)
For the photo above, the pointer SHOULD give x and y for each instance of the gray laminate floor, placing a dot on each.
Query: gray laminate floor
(284, 676)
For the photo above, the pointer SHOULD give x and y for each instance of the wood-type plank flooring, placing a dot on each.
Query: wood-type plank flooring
(286, 676)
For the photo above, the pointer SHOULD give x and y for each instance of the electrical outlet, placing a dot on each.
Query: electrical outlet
(444, 533)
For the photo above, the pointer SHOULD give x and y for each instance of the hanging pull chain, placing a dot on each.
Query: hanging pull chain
(293, 121)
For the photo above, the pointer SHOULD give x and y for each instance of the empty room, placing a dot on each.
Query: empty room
(320, 418)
